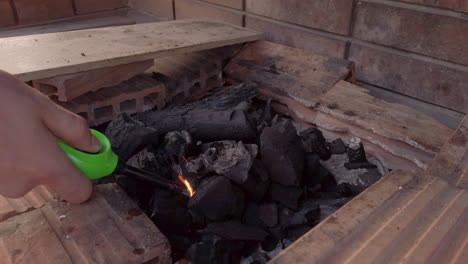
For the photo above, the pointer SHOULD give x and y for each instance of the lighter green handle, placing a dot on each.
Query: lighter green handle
(93, 165)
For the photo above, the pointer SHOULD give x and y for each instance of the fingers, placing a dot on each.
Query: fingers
(67, 181)
(71, 128)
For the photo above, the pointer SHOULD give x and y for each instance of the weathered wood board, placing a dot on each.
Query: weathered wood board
(296, 73)
(352, 103)
(46, 55)
(451, 163)
(403, 218)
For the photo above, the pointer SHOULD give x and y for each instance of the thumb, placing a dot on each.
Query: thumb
(71, 128)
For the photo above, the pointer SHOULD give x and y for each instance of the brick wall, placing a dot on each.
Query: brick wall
(414, 47)
(28, 12)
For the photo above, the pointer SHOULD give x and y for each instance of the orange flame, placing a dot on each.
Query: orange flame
(189, 187)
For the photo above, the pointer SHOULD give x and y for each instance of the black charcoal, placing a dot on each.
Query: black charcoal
(282, 153)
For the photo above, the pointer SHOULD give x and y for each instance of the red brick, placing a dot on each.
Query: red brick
(70, 86)
(450, 4)
(191, 9)
(426, 81)
(159, 8)
(237, 4)
(32, 11)
(294, 36)
(7, 18)
(432, 35)
(91, 6)
(328, 15)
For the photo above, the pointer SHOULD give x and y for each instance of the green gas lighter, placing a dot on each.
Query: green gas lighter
(106, 162)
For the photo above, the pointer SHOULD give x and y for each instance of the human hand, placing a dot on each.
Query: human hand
(29, 154)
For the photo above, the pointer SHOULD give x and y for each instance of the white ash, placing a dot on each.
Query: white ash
(354, 177)
(354, 143)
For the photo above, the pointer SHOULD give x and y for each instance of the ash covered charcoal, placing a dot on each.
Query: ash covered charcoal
(257, 183)
(287, 196)
(128, 136)
(337, 146)
(235, 230)
(314, 141)
(213, 249)
(230, 159)
(282, 153)
(216, 199)
(263, 215)
(295, 232)
(357, 156)
(355, 180)
(178, 144)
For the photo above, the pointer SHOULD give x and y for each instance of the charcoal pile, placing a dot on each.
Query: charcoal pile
(255, 183)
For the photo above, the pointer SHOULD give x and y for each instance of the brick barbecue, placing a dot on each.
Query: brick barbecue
(310, 165)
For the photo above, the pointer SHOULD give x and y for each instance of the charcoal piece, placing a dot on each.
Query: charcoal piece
(357, 156)
(266, 117)
(179, 242)
(282, 153)
(230, 159)
(295, 232)
(359, 165)
(263, 215)
(257, 184)
(337, 146)
(216, 199)
(207, 251)
(251, 215)
(278, 232)
(168, 213)
(257, 258)
(269, 243)
(148, 160)
(198, 220)
(311, 171)
(314, 141)
(268, 213)
(308, 214)
(128, 136)
(214, 117)
(178, 144)
(235, 230)
(288, 196)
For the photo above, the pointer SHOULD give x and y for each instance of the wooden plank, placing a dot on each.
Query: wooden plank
(352, 103)
(296, 73)
(109, 228)
(451, 163)
(421, 221)
(46, 55)
(325, 236)
(29, 238)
